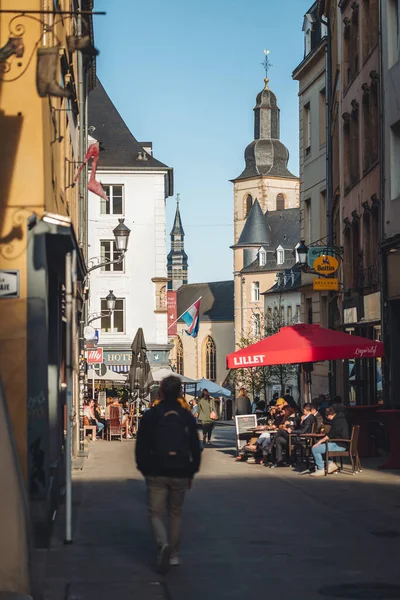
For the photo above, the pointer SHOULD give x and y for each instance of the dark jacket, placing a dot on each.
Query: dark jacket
(320, 422)
(339, 427)
(306, 426)
(242, 406)
(145, 458)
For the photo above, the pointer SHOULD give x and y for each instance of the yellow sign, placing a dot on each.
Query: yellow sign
(326, 264)
(326, 284)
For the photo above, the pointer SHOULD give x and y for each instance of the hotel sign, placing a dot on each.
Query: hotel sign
(118, 358)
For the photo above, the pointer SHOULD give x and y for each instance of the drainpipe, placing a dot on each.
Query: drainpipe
(329, 181)
(383, 254)
(69, 404)
(81, 155)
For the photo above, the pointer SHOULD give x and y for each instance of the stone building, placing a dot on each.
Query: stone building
(391, 193)
(266, 216)
(311, 75)
(355, 211)
(205, 355)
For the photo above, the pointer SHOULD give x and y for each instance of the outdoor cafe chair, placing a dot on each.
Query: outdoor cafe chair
(352, 452)
(115, 424)
(302, 443)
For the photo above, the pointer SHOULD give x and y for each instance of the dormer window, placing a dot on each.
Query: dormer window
(280, 255)
(262, 257)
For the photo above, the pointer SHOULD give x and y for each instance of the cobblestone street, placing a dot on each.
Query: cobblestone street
(247, 530)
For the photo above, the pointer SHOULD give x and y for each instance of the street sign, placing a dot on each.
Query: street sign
(9, 284)
(100, 369)
(326, 284)
(326, 264)
(316, 251)
(95, 357)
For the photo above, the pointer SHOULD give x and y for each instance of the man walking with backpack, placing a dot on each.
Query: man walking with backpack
(168, 455)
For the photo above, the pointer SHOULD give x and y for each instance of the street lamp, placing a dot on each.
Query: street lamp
(121, 234)
(302, 252)
(111, 300)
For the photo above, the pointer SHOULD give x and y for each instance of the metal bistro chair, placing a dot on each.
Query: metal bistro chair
(302, 443)
(352, 452)
(115, 423)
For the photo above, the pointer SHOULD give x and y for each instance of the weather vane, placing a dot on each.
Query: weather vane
(178, 199)
(266, 63)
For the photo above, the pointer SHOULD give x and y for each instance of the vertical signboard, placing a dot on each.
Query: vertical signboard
(172, 313)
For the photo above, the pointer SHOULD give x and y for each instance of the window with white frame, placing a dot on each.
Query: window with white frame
(255, 291)
(280, 255)
(256, 325)
(262, 257)
(114, 322)
(109, 252)
(114, 205)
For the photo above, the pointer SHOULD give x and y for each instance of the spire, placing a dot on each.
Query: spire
(177, 260)
(255, 232)
(177, 228)
(266, 155)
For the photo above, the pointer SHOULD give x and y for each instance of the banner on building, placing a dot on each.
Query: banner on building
(172, 311)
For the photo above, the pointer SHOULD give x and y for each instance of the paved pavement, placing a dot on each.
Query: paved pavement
(249, 532)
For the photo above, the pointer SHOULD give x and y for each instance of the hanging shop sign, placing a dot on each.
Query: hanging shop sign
(331, 284)
(316, 251)
(95, 357)
(325, 264)
(9, 284)
(172, 311)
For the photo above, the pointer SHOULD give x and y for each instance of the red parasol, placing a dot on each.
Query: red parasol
(304, 344)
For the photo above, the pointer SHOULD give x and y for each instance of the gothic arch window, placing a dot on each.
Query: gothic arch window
(210, 359)
(248, 203)
(280, 202)
(179, 356)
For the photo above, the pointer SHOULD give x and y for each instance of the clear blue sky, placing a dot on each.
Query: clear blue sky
(184, 75)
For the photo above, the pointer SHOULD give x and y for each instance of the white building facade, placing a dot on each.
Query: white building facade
(137, 186)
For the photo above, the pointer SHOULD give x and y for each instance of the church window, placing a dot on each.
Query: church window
(248, 203)
(179, 355)
(255, 291)
(210, 359)
(280, 256)
(280, 202)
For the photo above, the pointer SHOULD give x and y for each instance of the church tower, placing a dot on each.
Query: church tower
(266, 216)
(177, 262)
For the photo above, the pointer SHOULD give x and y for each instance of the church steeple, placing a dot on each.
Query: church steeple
(266, 155)
(177, 263)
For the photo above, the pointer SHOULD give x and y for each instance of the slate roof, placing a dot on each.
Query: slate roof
(287, 281)
(266, 154)
(217, 302)
(284, 230)
(255, 231)
(177, 228)
(121, 149)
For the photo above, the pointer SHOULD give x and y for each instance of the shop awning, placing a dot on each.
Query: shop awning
(304, 344)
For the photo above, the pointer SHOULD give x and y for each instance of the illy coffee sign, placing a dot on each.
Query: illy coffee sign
(95, 357)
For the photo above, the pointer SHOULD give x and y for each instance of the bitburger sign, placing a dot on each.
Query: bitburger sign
(326, 265)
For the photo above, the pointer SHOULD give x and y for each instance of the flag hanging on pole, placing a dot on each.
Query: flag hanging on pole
(192, 318)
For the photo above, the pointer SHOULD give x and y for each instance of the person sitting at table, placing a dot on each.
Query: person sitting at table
(88, 412)
(123, 417)
(260, 447)
(282, 437)
(317, 415)
(339, 430)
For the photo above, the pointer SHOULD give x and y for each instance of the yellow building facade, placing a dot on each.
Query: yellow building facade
(42, 218)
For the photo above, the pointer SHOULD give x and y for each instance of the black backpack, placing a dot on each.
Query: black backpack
(171, 441)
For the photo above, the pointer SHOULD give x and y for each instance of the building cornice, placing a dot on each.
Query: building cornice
(310, 59)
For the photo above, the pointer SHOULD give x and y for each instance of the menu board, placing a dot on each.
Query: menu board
(243, 424)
